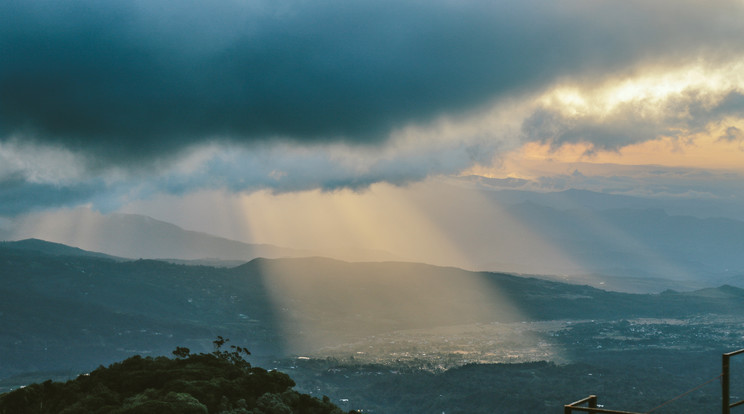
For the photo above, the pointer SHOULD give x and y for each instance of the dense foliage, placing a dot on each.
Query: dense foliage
(219, 382)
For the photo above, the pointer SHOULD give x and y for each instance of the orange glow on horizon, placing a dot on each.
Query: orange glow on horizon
(714, 151)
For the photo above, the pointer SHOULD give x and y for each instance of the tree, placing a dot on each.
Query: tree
(181, 352)
(219, 382)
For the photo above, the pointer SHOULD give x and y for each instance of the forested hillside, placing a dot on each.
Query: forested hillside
(220, 382)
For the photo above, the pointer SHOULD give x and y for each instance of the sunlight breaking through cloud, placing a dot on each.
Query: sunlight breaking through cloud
(650, 89)
(374, 299)
(646, 106)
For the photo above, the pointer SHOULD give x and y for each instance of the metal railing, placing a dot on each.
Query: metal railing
(591, 407)
(726, 404)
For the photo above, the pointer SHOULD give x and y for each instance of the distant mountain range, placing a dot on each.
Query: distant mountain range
(575, 198)
(140, 237)
(630, 243)
(74, 311)
(615, 242)
(643, 243)
(53, 249)
(136, 236)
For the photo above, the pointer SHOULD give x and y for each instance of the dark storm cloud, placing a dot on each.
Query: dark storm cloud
(18, 196)
(128, 80)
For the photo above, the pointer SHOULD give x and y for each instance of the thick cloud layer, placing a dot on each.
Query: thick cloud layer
(630, 123)
(132, 81)
(43, 181)
(20, 196)
(107, 101)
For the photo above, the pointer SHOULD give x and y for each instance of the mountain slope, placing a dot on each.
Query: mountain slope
(642, 243)
(54, 249)
(140, 237)
(75, 312)
(136, 236)
(586, 199)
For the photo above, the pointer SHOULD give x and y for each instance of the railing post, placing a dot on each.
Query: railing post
(592, 403)
(725, 397)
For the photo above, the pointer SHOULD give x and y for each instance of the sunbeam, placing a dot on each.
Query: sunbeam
(330, 304)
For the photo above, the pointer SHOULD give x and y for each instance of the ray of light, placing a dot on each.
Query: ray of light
(371, 299)
(376, 220)
(428, 222)
(325, 303)
(76, 227)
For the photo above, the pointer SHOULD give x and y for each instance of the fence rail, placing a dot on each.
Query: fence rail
(591, 402)
(726, 404)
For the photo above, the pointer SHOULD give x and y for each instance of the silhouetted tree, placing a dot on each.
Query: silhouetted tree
(181, 352)
(221, 382)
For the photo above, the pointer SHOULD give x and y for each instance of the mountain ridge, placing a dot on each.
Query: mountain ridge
(136, 236)
(60, 312)
(55, 249)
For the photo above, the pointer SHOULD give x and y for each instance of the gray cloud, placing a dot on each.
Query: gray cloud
(17, 195)
(279, 168)
(550, 126)
(286, 168)
(134, 81)
(679, 116)
(732, 134)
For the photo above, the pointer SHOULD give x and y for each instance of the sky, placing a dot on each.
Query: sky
(293, 121)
